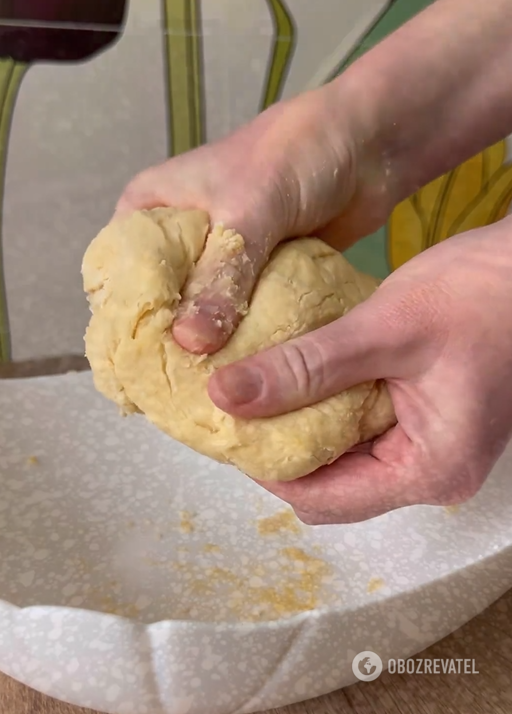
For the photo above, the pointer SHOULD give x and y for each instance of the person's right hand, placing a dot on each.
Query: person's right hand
(298, 169)
(439, 332)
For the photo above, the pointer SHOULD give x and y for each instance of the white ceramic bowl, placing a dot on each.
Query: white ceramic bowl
(139, 578)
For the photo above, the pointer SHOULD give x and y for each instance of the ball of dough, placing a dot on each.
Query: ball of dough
(134, 272)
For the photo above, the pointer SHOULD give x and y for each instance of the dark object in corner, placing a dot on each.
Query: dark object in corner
(58, 30)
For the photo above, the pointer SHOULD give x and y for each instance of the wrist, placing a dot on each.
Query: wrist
(354, 120)
(427, 100)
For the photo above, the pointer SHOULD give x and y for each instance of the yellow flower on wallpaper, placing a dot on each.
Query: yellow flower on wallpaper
(473, 195)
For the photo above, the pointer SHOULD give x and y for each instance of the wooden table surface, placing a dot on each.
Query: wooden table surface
(487, 639)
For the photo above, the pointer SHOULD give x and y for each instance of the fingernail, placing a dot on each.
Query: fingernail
(197, 335)
(239, 385)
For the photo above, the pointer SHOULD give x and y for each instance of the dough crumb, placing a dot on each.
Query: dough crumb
(32, 461)
(186, 523)
(374, 584)
(452, 510)
(282, 521)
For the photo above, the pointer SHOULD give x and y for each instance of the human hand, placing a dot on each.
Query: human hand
(439, 330)
(335, 161)
(296, 169)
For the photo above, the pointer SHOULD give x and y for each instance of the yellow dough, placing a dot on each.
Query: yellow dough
(134, 272)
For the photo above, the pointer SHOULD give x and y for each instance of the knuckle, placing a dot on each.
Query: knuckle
(124, 204)
(304, 365)
(128, 199)
(135, 191)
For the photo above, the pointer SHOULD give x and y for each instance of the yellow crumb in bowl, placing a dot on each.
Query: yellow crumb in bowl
(374, 584)
(298, 589)
(279, 522)
(452, 510)
(186, 523)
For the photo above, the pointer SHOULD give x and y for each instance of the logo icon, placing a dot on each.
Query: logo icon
(367, 666)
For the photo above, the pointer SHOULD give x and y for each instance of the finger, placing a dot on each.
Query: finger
(354, 223)
(398, 472)
(220, 285)
(377, 339)
(219, 290)
(142, 193)
(342, 232)
(355, 488)
(358, 487)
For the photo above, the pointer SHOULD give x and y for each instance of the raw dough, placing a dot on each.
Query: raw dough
(134, 271)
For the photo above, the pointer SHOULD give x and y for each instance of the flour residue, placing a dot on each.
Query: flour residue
(179, 578)
(374, 584)
(186, 522)
(261, 590)
(282, 521)
(452, 510)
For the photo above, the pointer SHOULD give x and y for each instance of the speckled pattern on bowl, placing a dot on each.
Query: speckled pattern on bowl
(137, 577)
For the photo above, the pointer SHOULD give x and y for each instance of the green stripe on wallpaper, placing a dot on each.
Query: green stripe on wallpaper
(395, 14)
(11, 75)
(282, 51)
(183, 59)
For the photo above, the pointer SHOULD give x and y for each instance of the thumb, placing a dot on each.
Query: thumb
(219, 289)
(220, 286)
(377, 339)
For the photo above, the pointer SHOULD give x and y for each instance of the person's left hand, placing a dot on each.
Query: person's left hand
(439, 330)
